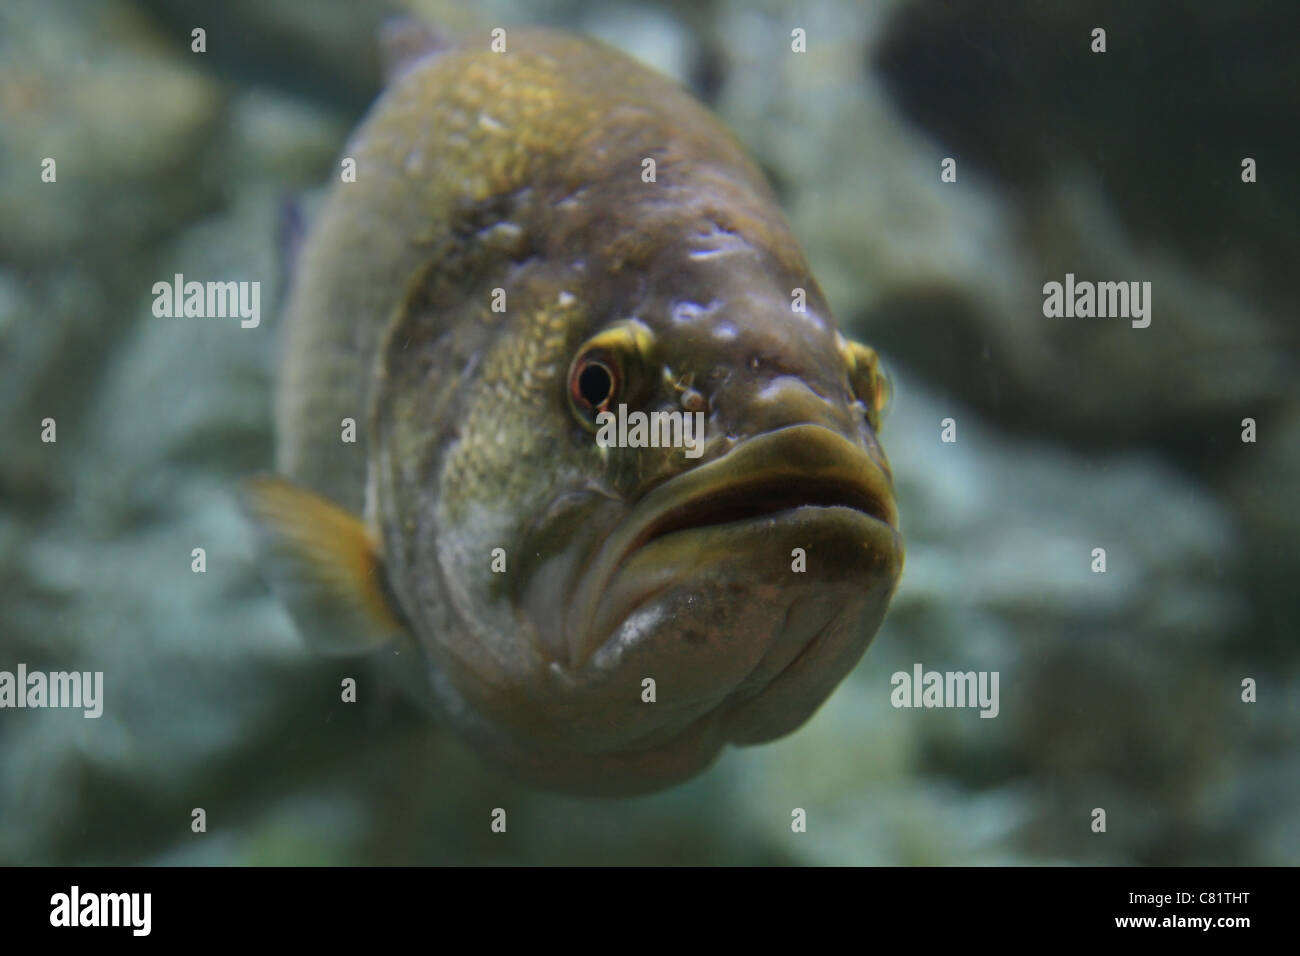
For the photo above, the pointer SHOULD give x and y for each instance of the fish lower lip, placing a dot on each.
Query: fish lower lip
(778, 474)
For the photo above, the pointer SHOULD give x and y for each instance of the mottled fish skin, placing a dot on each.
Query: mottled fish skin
(522, 171)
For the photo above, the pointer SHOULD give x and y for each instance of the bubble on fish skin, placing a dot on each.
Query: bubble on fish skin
(815, 321)
(693, 401)
(491, 124)
(348, 694)
(688, 311)
(716, 241)
(199, 564)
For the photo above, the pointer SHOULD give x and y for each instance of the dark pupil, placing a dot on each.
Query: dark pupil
(594, 384)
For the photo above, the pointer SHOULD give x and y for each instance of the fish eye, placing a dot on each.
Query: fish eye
(610, 366)
(870, 385)
(593, 384)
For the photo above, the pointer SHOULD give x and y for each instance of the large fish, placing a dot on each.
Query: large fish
(506, 267)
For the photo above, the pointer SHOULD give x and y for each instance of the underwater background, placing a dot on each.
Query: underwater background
(1120, 690)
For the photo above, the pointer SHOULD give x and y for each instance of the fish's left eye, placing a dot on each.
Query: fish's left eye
(870, 385)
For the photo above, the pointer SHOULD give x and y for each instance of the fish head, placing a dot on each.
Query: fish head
(653, 600)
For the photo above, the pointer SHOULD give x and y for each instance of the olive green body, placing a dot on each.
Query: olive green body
(503, 214)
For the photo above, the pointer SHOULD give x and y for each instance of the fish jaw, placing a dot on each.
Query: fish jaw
(804, 483)
(742, 639)
(738, 655)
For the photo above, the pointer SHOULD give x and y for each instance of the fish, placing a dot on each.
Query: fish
(534, 238)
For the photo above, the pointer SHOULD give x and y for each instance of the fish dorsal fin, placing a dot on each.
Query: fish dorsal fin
(323, 563)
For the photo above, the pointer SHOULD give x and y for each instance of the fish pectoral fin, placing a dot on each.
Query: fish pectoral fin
(322, 561)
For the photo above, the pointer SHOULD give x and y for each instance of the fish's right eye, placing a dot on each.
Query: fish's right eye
(595, 384)
(609, 368)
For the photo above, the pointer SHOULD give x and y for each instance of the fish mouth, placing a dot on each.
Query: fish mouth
(802, 471)
(760, 496)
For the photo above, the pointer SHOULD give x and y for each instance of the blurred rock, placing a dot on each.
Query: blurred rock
(1160, 121)
(325, 49)
(1260, 479)
(91, 86)
(652, 36)
(1123, 165)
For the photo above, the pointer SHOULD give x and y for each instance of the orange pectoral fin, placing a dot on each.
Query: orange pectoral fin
(323, 563)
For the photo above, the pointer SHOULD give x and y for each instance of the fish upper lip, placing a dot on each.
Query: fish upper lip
(804, 465)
